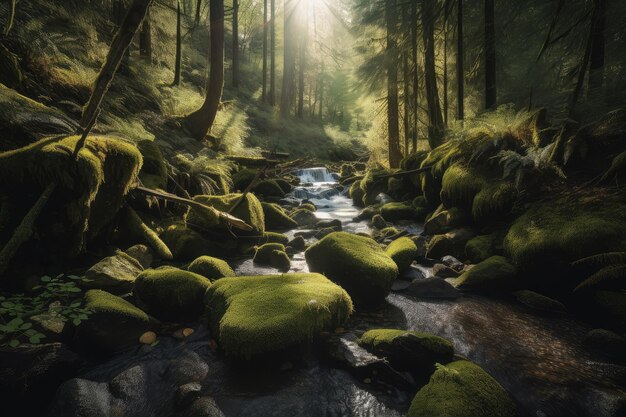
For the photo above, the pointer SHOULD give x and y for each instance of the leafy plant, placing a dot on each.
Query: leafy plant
(57, 298)
(520, 167)
(612, 272)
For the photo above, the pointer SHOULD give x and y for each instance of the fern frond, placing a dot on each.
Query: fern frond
(609, 276)
(602, 259)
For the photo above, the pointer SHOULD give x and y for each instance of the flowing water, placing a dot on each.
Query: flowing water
(539, 360)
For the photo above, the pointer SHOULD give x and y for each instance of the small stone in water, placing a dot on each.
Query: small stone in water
(148, 338)
(187, 332)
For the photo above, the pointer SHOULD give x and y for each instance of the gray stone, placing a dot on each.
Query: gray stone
(115, 274)
(453, 263)
(378, 222)
(204, 407)
(142, 253)
(334, 223)
(436, 288)
(444, 271)
(186, 394)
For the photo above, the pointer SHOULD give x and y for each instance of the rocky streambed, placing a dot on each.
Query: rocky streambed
(540, 360)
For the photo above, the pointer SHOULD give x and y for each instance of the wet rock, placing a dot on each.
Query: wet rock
(116, 274)
(142, 253)
(83, 398)
(442, 221)
(356, 263)
(297, 243)
(398, 211)
(492, 275)
(306, 234)
(414, 272)
(276, 218)
(129, 384)
(400, 285)
(362, 364)
(451, 243)
(368, 213)
(403, 252)
(539, 302)
(186, 394)
(334, 224)
(187, 367)
(211, 268)
(444, 271)
(274, 255)
(433, 287)
(453, 263)
(289, 201)
(304, 217)
(420, 244)
(606, 343)
(378, 222)
(322, 233)
(34, 372)
(204, 407)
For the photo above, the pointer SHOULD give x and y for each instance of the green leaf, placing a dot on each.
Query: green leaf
(76, 322)
(14, 343)
(46, 279)
(77, 304)
(35, 339)
(15, 322)
(26, 326)
(74, 277)
(30, 332)
(73, 289)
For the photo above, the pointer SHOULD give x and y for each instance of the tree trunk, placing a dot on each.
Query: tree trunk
(200, 121)
(415, 105)
(435, 120)
(145, 39)
(460, 72)
(264, 88)
(119, 46)
(198, 10)
(179, 46)
(490, 54)
(273, 53)
(406, 101)
(289, 57)
(596, 65)
(321, 112)
(395, 154)
(445, 62)
(302, 63)
(235, 43)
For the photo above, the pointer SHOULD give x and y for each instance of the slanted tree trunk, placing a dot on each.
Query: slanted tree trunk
(235, 43)
(395, 154)
(179, 46)
(145, 39)
(264, 88)
(596, 64)
(200, 121)
(435, 120)
(273, 53)
(289, 57)
(460, 71)
(119, 46)
(490, 54)
(10, 18)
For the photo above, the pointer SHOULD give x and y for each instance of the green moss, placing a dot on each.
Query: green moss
(171, 294)
(356, 194)
(90, 189)
(187, 244)
(480, 248)
(249, 210)
(269, 188)
(114, 324)
(372, 185)
(462, 389)
(271, 237)
(272, 254)
(442, 220)
(403, 251)
(554, 233)
(243, 178)
(356, 263)
(260, 314)
(284, 185)
(400, 188)
(308, 206)
(393, 212)
(346, 170)
(139, 229)
(211, 268)
(276, 218)
(408, 350)
(539, 302)
(495, 200)
(459, 186)
(493, 274)
(304, 217)
(387, 232)
(153, 173)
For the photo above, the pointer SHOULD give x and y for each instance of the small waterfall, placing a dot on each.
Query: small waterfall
(315, 175)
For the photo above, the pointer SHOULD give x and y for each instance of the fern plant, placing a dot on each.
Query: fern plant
(519, 168)
(611, 272)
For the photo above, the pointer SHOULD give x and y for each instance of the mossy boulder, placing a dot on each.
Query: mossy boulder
(211, 268)
(554, 233)
(171, 294)
(304, 217)
(539, 302)
(243, 178)
(480, 248)
(269, 188)
(407, 350)
(297, 243)
(462, 389)
(273, 237)
(386, 233)
(115, 274)
(400, 188)
(442, 220)
(356, 194)
(113, 325)
(392, 212)
(452, 243)
(276, 218)
(284, 185)
(494, 274)
(308, 206)
(412, 162)
(257, 315)
(403, 251)
(187, 244)
(356, 263)
(249, 210)
(372, 184)
(274, 255)
(153, 172)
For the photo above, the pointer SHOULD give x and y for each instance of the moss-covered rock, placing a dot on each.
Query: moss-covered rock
(115, 274)
(373, 184)
(491, 275)
(297, 243)
(274, 255)
(480, 248)
(273, 237)
(539, 302)
(153, 173)
(249, 210)
(284, 185)
(269, 188)
(171, 294)
(462, 389)
(276, 218)
(187, 244)
(113, 325)
(261, 314)
(386, 233)
(407, 350)
(356, 263)
(304, 217)
(412, 162)
(401, 188)
(452, 243)
(356, 194)
(378, 222)
(308, 206)
(393, 212)
(442, 220)
(243, 178)
(211, 268)
(554, 233)
(403, 251)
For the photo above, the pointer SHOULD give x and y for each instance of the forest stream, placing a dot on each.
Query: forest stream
(539, 360)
